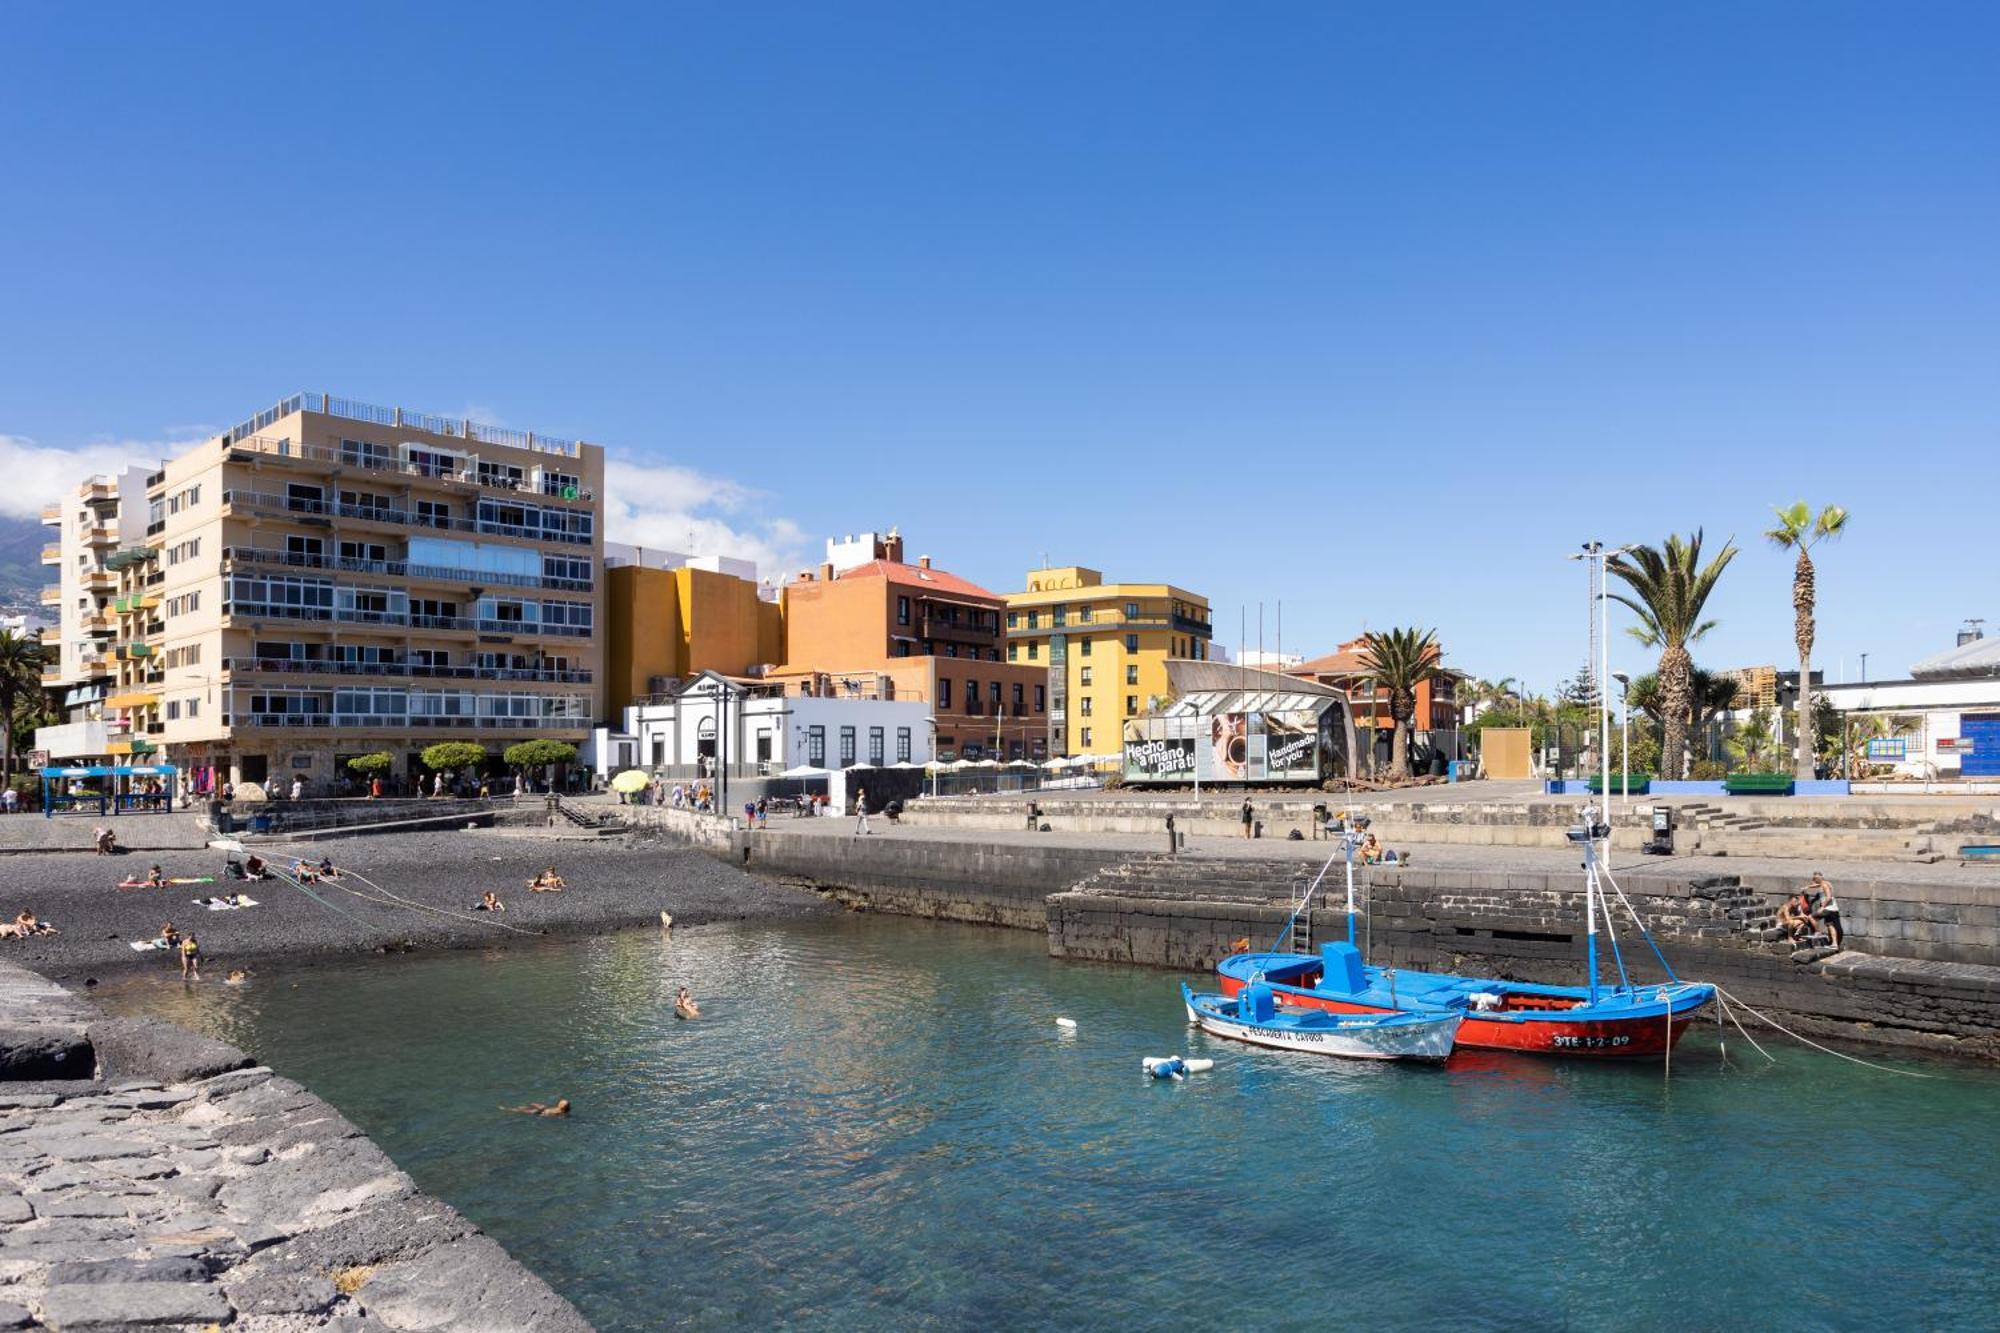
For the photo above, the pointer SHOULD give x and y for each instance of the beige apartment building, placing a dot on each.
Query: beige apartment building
(330, 579)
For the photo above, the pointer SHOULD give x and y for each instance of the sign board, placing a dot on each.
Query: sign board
(40, 759)
(1965, 745)
(1888, 747)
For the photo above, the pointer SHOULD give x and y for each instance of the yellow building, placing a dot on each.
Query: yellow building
(664, 625)
(1106, 647)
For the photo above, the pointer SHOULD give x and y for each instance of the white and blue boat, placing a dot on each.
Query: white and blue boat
(1255, 1016)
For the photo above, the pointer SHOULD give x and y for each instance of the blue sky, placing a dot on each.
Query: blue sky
(1373, 310)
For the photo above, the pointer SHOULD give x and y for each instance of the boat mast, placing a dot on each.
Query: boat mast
(1590, 890)
(1347, 843)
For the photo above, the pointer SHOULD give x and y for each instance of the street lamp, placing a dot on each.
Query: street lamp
(1624, 741)
(1598, 561)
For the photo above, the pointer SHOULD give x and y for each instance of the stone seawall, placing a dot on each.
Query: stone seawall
(150, 1177)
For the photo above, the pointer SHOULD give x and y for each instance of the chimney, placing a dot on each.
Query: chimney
(826, 573)
(923, 562)
(892, 549)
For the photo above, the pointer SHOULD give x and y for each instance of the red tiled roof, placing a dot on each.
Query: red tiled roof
(937, 579)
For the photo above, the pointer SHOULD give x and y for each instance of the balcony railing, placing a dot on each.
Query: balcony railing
(385, 460)
(52, 553)
(290, 611)
(453, 427)
(266, 502)
(259, 555)
(395, 722)
(414, 670)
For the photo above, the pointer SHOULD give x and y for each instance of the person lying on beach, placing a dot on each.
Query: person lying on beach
(326, 870)
(254, 867)
(548, 882)
(489, 902)
(24, 925)
(303, 872)
(537, 1108)
(155, 877)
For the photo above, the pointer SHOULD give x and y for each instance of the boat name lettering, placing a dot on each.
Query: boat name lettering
(1591, 1042)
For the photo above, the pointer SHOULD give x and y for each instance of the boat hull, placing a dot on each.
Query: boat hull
(1645, 1023)
(1420, 1040)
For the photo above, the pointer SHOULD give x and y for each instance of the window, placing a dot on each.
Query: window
(1085, 650)
(847, 747)
(1131, 643)
(875, 755)
(1131, 610)
(1084, 706)
(561, 485)
(1014, 652)
(1085, 677)
(1020, 696)
(902, 745)
(1085, 737)
(173, 709)
(187, 550)
(1131, 673)
(951, 650)
(434, 513)
(194, 707)
(1033, 620)
(1059, 617)
(1034, 651)
(1013, 619)
(304, 550)
(944, 692)
(816, 746)
(971, 696)
(1131, 705)
(902, 610)
(1083, 615)
(1041, 698)
(184, 499)
(364, 453)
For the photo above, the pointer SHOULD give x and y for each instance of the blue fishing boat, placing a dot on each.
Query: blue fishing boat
(1626, 1019)
(1257, 1016)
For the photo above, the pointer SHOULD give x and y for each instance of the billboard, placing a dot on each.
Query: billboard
(1300, 747)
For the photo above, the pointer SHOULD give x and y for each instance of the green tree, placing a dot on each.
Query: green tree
(1751, 743)
(369, 764)
(1398, 661)
(20, 679)
(1712, 695)
(1799, 529)
(1670, 586)
(448, 756)
(538, 754)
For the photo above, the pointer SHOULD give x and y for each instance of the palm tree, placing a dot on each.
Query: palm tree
(1670, 586)
(20, 674)
(1798, 530)
(1398, 661)
(1709, 694)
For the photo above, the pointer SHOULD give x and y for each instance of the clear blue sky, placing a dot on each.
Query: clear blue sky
(1375, 310)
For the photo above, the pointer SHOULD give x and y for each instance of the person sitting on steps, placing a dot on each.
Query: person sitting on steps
(1824, 907)
(1795, 917)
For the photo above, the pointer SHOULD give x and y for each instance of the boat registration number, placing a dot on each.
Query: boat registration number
(1592, 1043)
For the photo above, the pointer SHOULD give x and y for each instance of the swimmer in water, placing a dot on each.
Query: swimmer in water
(537, 1108)
(236, 978)
(684, 1005)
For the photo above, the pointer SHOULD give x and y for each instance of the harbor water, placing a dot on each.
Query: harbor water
(879, 1123)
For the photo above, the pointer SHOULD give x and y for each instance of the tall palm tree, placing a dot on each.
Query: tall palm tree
(20, 675)
(1799, 530)
(1398, 661)
(1670, 586)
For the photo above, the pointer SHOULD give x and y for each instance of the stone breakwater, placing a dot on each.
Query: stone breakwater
(150, 1178)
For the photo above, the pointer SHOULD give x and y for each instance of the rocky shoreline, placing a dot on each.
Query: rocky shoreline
(165, 1180)
(411, 891)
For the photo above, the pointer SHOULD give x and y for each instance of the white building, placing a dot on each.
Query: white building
(759, 731)
(617, 554)
(1950, 710)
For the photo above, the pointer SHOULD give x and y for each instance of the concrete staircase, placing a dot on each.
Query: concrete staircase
(1723, 832)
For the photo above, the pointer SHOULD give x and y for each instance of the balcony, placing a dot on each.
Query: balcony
(133, 699)
(399, 722)
(411, 670)
(260, 555)
(99, 535)
(130, 651)
(52, 553)
(51, 673)
(52, 514)
(130, 556)
(99, 580)
(511, 628)
(312, 511)
(97, 623)
(451, 427)
(52, 595)
(97, 490)
(386, 460)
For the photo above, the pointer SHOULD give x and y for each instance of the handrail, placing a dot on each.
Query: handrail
(382, 458)
(416, 670)
(285, 504)
(451, 427)
(262, 555)
(290, 611)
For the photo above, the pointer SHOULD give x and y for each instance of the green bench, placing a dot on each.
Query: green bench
(1758, 784)
(1640, 784)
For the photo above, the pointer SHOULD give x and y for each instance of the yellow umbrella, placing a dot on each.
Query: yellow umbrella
(630, 781)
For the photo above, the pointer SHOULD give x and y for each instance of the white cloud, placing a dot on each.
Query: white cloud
(680, 509)
(37, 474)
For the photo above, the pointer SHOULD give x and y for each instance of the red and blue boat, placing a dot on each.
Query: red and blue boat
(1593, 1020)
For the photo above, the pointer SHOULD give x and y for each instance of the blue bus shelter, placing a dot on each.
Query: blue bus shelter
(108, 789)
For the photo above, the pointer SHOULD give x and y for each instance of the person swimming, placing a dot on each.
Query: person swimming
(560, 1108)
(684, 1005)
(236, 978)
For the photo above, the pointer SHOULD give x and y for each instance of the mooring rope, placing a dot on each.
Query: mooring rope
(394, 899)
(1723, 1007)
(1853, 1059)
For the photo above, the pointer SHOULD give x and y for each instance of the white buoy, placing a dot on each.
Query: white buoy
(1198, 1066)
(1065, 1022)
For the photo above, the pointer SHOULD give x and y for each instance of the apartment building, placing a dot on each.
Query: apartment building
(868, 625)
(331, 578)
(669, 616)
(1105, 648)
(100, 531)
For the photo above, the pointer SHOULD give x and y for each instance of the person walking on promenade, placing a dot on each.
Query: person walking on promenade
(1248, 817)
(861, 812)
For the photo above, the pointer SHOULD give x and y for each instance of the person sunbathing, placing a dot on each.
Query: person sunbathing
(547, 882)
(537, 1108)
(155, 877)
(26, 924)
(326, 870)
(304, 872)
(255, 868)
(169, 936)
(489, 902)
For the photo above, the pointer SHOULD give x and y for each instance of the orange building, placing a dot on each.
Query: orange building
(881, 628)
(664, 625)
(1437, 701)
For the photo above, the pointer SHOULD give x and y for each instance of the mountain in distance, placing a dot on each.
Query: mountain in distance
(22, 573)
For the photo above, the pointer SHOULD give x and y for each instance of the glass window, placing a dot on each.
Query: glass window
(902, 745)
(1014, 652)
(1131, 705)
(1131, 643)
(875, 753)
(847, 747)
(1041, 699)
(1085, 650)
(1132, 673)
(816, 746)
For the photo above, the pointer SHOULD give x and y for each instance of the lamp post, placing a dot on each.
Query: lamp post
(1624, 741)
(1598, 560)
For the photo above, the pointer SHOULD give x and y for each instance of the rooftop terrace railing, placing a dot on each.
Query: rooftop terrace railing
(374, 414)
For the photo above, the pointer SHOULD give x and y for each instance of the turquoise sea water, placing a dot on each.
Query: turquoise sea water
(877, 1123)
